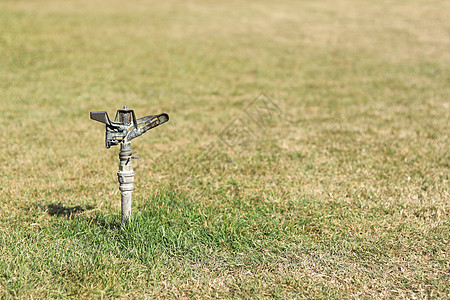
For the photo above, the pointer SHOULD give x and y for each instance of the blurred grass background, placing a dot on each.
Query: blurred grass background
(345, 196)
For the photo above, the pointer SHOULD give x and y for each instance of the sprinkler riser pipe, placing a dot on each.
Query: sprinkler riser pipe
(125, 176)
(126, 187)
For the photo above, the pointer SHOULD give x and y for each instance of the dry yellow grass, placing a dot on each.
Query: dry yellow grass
(343, 195)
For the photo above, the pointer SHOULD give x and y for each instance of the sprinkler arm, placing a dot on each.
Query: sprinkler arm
(144, 124)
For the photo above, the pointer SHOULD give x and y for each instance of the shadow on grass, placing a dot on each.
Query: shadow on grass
(66, 211)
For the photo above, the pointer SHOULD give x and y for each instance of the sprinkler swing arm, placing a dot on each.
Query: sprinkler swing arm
(124, 129)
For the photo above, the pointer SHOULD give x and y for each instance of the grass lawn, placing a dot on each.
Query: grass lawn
(307, 151)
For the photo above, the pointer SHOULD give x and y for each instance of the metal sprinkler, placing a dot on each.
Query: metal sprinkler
(125, 128)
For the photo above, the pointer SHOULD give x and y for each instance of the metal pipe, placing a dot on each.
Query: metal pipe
(126, 179)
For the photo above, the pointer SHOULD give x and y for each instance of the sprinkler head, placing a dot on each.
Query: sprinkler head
(125, 126)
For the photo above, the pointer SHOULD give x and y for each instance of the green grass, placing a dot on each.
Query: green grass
(343, 193)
